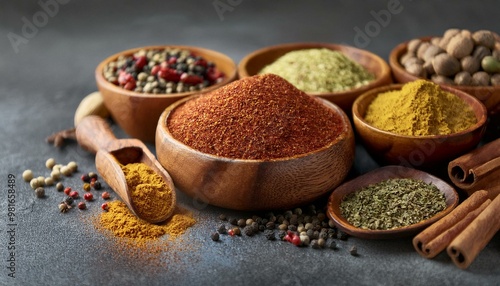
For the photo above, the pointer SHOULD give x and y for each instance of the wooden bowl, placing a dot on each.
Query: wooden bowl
(137, 113)
(416, 151)
(255, 184)
(376, 176)
(253, 63)
(488, 95)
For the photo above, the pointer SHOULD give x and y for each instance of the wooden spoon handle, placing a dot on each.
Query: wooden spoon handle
(93, 133)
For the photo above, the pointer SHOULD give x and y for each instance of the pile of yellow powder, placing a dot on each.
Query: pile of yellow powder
(420, 108)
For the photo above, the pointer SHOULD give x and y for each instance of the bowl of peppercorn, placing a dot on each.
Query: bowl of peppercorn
(138, 84)
(257, 143)
(466, 60)
(337, 73)
(419, 124)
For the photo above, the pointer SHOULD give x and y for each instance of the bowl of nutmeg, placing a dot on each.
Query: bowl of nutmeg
(254, 144)
(465, 60)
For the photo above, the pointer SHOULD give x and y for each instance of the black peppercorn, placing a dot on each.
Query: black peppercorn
(97, 185)
(69, 200)
(269, 234)
(215, 236)
(222, 217)
(222, 229)
(342, 235)
(282, 234)
(270, 225)
(314, 244)
(233, 221)
(262, 227)
(353, 251)
(292, 227)
(333, 245)
(248, 230)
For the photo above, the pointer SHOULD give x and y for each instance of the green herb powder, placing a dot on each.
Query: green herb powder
(319, 70)
(392, 203)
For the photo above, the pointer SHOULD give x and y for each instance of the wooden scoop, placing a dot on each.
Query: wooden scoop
(93, 134)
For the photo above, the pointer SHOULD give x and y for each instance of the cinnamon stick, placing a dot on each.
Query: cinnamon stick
(479, 169)
(434, 239)
(469, 243)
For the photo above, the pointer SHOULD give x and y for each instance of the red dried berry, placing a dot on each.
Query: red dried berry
(191, 79)
(105, 206)
(74, 194)
(155, 70)
(88, 196)
(82, 205)
(67, 190)
(230, 232)
(140, 62)
(105, 195)
(85, 178)
(296, 240)
(129, 85)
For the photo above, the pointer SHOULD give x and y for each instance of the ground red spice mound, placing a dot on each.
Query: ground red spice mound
(259, 117)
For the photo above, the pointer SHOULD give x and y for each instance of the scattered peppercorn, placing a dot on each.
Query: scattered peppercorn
(233, 221)
(96, 185)
(85, 178)
(237, 231)
(66, 171)
(248, 230)
(74, 194)
(67, 190)
(40, 192)
(50, 163)
(82, 205)
(86, 187)
(105, 195)
(104, 206)
(353, 251)
(333, 245)
(63, 207)
(73, 166)
(27, 175)
(342, 235)
(222, 229)
(88, 196)
(215, 236)
(92, 175)
(222, 217)
(69, 200)
(34, 183)
(49, 181)
(269, 234)
(315, 244)
(59, 187)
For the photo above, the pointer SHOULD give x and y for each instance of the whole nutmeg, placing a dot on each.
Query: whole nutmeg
(439, 79)
(481, 78)
(422, 48)
(484, 38)
(431, 52)
(480, 52)
(448, 34)
(413, 45)
(495, 79)
(470, 64)
(445, 65)
(460, 46)
(463, 78)
(416, 70)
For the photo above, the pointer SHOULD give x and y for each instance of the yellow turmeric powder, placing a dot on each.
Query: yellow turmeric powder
(123, 223)
(150, 194)
(420, 108)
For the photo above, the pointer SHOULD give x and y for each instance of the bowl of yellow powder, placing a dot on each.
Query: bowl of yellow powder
(419, 123)
(337, 73)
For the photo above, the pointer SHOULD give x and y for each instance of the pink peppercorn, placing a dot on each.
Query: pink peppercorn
(104, 206)
(88, 196)
(105, 195)
(74, 194)
(67, 191)
(82, 205)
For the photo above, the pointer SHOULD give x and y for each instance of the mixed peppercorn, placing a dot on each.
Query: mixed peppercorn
(302, 227)
(168, 70)
(90, 182)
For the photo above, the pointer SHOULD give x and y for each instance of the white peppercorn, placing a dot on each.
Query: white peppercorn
(50, 163)
(27, 175)
(66, 171)
(72, 166)
(55, 174)
(34, 183)
(41, 181)
(49, 181)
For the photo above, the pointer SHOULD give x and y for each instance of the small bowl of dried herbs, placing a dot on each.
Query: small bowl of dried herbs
(390, 202)
(337, 73)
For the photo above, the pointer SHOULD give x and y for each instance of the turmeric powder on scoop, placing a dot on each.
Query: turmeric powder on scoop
(420, 108)
(149, 192)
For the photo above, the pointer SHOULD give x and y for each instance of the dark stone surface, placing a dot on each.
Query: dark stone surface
(45, 75)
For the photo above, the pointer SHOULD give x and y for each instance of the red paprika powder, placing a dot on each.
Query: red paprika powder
(260, 117)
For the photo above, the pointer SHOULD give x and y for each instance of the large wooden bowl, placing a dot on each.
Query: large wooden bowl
(376, 176)
(254, 62)
(488, 95)
(137, 113)
(417, 151)
(255, 184)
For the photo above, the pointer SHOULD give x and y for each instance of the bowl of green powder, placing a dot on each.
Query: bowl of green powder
(337, 73)
(419, 123)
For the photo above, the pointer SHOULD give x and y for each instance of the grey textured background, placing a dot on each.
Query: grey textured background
(44, 77)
